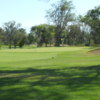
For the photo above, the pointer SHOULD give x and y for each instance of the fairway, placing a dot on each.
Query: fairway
(52, 73)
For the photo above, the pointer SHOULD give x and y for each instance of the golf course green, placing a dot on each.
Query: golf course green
(52, 73)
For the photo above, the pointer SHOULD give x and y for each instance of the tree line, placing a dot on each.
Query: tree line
(64, 29)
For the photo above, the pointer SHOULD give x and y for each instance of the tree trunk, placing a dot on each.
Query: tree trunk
(15, 46)
(9, 45)
(58, 39)
(45, 44)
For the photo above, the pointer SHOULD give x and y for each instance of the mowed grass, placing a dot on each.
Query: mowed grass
(64, 73)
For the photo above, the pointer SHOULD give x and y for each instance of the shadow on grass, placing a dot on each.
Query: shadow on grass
(47, 84)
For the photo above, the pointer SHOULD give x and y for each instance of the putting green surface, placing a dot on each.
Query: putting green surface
(64, 73)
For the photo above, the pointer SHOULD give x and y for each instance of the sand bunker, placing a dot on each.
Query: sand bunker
(97, 52)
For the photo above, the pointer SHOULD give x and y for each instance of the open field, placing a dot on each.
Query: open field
(64, 73)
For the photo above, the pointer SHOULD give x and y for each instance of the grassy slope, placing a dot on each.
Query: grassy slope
(67, 73)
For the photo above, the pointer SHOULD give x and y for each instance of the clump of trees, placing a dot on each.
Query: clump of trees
(43, 34)
(12, 34)
(64, 30)
(92, 19)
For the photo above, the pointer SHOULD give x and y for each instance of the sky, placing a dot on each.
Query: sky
(32, 12)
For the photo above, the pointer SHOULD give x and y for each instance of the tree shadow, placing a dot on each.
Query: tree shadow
(47, 84)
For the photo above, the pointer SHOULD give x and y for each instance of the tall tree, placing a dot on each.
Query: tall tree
(10, 29)
(36, 30)
(76, 35)
(92, 18)
(30, 38)
(19, 38)
(60, 14)
(1, 36)
(22, 37)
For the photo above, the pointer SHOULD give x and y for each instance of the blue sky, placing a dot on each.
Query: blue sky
(32, 12)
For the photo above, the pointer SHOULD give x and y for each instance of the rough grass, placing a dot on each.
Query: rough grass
(66, 73)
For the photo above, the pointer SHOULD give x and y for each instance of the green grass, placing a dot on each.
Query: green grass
(64, 73)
